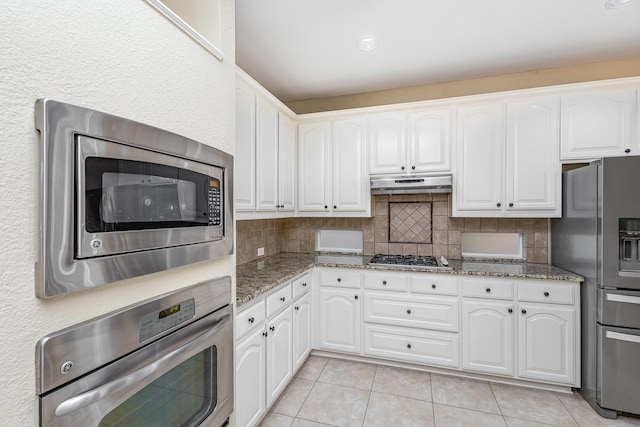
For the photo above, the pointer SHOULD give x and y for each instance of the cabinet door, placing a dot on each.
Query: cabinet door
(301, 330)
(313, 167)
(340, 319)
(286, 163)
(279, 354)
(547, 344)
(244, 169)
(596, 123)
(266, 156)
(534, 176)
(350, 181)
(488, 337)
(430, 141)
(387, 143)
(250, 379)
(480, 159)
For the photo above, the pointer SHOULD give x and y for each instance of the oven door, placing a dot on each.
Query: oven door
(131, 199)
(182, 379)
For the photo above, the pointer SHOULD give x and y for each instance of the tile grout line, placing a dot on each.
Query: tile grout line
(567, 409)
(493, 393)
(364, 416)
(433, 404)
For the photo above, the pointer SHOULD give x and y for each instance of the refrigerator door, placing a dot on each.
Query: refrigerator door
(619, 369)
(619, 308)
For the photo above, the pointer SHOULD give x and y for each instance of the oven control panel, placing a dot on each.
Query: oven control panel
(159, 321)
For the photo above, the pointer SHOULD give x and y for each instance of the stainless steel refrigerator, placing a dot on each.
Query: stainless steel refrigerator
(599, 238)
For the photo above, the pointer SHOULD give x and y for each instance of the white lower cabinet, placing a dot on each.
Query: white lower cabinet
(340, 319)
(273, 340)
(488, 337)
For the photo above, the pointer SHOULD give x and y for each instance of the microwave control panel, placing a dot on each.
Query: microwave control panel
(214, 202)
(155, 323)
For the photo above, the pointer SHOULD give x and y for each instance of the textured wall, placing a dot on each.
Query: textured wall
(121, 57)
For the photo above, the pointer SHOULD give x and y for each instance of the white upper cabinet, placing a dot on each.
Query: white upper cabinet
(430, 141)
(266, 155)
(314, 166)
(534, 175)
(332, 177)
(387, 143)
(245, 167)
(598, 123)
(350, 182)
(480, 159)
(507, 159)
(410, 142)
(287, 130)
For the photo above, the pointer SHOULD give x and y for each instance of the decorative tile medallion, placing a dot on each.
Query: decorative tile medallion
(410, 222)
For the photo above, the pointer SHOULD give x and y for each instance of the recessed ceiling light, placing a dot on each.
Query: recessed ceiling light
(367, 43)
(617, 4)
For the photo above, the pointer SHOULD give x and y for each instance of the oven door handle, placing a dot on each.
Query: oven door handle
(98, 393)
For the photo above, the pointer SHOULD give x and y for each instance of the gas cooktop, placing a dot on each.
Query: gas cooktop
(417, 261)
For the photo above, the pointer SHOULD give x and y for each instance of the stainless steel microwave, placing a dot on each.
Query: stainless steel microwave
(121, 199)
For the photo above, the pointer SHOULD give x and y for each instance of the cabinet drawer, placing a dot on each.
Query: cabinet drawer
(249, 320)
(547, 292)
(434, 284)
(487, 288)
(341, 278)
(301, 285)
(278, 300)
(386, 281)
(413, 345)
(411, 310)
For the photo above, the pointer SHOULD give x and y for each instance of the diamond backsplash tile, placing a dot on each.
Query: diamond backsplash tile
(410, 222)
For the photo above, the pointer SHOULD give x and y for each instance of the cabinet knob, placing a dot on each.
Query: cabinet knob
(282, 299)
(409, 311)
(297, 307)
(251, 320)
(339, 280)
(546, 294)
(384, 282)
(265, 333)
(401, 167)
(510, 205)
(325, 206)
(498, 204)
(272, 328)
(488, 290)
(413, 168)
(335, 207)
(433, 286)
(510, 310)
(524, 311)
(628, 150)
(356, 296)
(409, 346)
(304, 284)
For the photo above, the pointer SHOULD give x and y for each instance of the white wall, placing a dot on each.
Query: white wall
(121, 57)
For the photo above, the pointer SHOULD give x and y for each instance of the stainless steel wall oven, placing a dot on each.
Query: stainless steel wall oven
(167, 361)
(121, 199)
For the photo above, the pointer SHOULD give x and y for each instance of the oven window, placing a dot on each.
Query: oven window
(184, 396)
(124, 195)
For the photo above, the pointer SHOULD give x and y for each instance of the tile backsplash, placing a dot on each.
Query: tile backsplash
(298, 234)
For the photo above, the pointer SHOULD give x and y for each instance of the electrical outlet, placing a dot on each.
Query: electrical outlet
(260, 251)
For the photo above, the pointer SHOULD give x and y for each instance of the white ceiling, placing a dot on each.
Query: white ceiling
(302, 49)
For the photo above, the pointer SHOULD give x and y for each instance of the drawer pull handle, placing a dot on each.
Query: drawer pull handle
(524, 311)
(304, 284)
(272, 328)
(510, 310)
(409, 311)
(409, 346)
(282, 299)
(384, 282)
(488, 290)
(433, 286)
(546, 294)
(251, 320)
(297, 307)
(339, 280)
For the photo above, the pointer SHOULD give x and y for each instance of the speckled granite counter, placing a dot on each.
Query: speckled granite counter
(258, 277)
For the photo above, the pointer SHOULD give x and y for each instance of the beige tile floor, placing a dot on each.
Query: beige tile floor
(334, 392)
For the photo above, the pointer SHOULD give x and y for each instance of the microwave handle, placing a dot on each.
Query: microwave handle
(98, 393)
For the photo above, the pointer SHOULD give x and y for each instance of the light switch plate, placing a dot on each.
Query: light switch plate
(260, 251)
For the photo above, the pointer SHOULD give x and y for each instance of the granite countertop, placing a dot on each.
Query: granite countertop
(258, 277)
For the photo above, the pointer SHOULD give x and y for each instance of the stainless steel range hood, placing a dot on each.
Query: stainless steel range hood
(411, 184)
